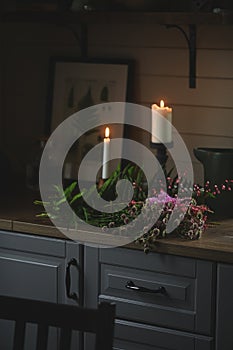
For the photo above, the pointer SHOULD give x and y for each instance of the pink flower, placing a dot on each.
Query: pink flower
(162, 197)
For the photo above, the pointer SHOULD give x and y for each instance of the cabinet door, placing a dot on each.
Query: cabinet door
(34, 267)
(224, 321)
(33, 278)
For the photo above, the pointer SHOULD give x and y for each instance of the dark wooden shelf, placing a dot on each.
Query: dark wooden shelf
(176, 18)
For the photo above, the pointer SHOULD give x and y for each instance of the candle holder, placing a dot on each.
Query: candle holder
(100, 182)
(161, 153)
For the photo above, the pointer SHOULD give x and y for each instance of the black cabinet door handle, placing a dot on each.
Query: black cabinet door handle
(130, 285)
(74, 296)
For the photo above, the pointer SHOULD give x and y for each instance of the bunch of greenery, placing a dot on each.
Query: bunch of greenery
(191, 226)
(107, 191)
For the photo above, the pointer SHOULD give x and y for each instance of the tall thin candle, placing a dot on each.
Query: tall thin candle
(106, 154)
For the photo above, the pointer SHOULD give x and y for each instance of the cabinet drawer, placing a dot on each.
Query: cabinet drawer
(132, 336)
(186, 303)
(32, 244)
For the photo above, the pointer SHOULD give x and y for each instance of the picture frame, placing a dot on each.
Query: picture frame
(78, 84)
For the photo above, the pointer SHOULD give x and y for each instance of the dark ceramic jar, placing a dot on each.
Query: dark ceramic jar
(218, 167)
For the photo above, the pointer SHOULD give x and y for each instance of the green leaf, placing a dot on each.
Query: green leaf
(76, 197)
(68, 191)
(37, 202)
(59, 190)
(139, 176)
(211, 195)
(128, 170)
(85, 214)
(111, 181)
(42, 215)
(62, 200)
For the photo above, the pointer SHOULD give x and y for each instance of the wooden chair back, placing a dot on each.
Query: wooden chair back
(99, 321)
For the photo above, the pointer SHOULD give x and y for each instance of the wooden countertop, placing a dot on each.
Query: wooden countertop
(18, 214)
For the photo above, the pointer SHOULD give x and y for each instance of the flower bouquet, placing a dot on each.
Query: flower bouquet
(159, 207)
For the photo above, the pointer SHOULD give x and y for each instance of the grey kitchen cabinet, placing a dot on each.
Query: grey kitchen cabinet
(36, 267)
(162, 301)
(224, 307)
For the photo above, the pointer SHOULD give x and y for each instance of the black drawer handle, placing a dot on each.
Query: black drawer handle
(130, 285)
(72, 262)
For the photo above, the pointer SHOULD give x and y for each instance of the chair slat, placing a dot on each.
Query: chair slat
(19, 335)
(42, 336)
(105, 327)
(65, 338)
(66, 317)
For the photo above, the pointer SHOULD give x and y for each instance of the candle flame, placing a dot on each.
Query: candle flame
(107, 132)
(161, 103)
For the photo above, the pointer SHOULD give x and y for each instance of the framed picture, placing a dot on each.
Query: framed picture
(76, 85)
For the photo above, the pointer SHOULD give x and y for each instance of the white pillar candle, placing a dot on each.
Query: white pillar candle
(106, 154)
(161, 132)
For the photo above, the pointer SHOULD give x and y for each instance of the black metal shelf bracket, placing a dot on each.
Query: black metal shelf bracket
(191, 40)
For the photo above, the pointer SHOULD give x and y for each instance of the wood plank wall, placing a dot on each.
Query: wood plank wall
(203, 116)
